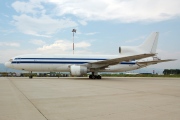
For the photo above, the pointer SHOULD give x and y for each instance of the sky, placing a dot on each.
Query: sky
(45, 27)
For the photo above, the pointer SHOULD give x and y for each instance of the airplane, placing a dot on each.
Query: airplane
(129, 58)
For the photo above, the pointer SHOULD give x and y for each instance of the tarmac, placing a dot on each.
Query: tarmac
(83, 99)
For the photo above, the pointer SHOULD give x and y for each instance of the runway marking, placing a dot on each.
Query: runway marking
(27, 98)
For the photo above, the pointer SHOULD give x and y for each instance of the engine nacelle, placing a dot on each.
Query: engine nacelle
(78, 70)
(129, 50)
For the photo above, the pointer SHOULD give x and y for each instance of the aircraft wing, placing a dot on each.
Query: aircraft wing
(154, 61)
(105, 63)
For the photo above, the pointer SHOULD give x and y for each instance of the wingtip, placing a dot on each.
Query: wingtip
(173, 59)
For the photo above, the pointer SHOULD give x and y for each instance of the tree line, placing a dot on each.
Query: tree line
(171, 71)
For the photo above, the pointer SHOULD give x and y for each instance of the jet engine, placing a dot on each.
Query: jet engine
(78, 70)
(129, 50)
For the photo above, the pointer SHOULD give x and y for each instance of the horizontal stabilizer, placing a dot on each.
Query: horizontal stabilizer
(155, 61)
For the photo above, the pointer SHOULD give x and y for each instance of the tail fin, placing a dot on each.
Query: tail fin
(150, 44)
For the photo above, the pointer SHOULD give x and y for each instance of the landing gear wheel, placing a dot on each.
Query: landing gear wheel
(90, 76)
(93, 77)
(98, 77)
(30, 77)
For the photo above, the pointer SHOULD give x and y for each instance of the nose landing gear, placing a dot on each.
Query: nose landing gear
(30, 76)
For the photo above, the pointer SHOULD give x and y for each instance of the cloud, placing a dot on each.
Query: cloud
(42, 26)
(82, 45)
(91, 33)
(38, 35)
(121, 10)
(38, 19)
(63, 46)
(32, 7)
(82, 22)
(10, 44)
(35, 19)
(37, 42)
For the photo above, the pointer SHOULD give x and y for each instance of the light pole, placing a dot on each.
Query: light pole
(74, 31)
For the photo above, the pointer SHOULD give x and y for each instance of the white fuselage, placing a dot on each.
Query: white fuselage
(80, 64)
(62, 63)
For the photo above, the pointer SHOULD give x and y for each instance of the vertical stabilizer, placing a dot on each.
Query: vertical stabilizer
(150, 44)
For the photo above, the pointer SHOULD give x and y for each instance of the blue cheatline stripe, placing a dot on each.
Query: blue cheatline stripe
(51, 62)
(131, 63)
(61, 58)
(45, 62)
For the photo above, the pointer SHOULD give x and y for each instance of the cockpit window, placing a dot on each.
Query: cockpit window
(10, 60)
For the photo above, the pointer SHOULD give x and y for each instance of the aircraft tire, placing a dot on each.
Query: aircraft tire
(30, 77)
(93, 77)
(90, 76)
(98, 77)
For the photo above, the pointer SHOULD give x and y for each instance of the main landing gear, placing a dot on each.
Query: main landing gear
(94, 76)
(30, 76)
